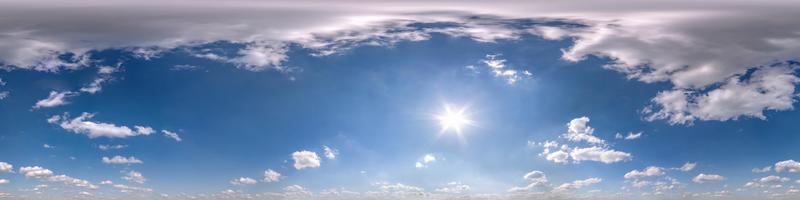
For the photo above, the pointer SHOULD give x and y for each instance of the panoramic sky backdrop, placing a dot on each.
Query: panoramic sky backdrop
(246, 99)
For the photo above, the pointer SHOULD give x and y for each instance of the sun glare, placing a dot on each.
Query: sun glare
(453, 119)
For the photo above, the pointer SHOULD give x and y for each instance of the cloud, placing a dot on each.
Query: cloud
(80, 125)
(633, 136)
(425, 160)
(663, 41)
(44, 174)
(577, 184)
(787, 165)
(4, 181)
(172, 135)
(578, 130)
(244, 181)
(106, 147)
(5, 167)
(144, 130)
(121, 160)
(649, 171)
(271, 176)
(330, 153)
(599, 154)
(688, 167)
(705, 178)
(54, 99)
(766, 181)
(35, 172)
(129, 189)
(762, 170)
(135, 177)
(305, 159)
(559, 156)
(497, 66)
(768, 88)
(454, 187)
(260, 56)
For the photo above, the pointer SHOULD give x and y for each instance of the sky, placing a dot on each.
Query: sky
(609, 99)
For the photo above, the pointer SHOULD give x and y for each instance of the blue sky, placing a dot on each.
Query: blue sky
(553, 108)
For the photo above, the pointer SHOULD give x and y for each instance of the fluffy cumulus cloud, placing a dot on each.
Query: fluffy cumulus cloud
(121, 160)
(768, 88)
(578, 131)
(5, 167)
(787, 165)
(244, 181)
(705, 178)
(82, 125)
(305, 159)
(54, 99)
(272, 176)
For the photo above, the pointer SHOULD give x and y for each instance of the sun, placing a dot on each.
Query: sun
(453, 119)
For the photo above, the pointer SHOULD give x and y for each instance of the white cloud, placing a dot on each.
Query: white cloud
(705, 178)
(330, 153)
(172, 135)
(599, 154)
(688, 167)
(762, 170)
(106, 147)
(47, 146)
(559, 156)
(454, 187)
(54, 99)
(633, 136)
(5, 167)
(4, 181)
(121, 160)
(44, 174)
(787, 165)
(577, 184)
(498, 67)
(260, 56)
(135, 177)
(80, 125)
(144, 130)
(4, 94)
(130, 189)
(305, 159)
(35, 172)
(649, 171)
(578, 130)
(768, 88)
(271, 176)
(244, 181)
(425, 160)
